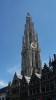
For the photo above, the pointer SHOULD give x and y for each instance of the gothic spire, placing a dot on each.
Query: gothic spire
(30, 56)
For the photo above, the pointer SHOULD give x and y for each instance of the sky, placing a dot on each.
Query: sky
(12, 20)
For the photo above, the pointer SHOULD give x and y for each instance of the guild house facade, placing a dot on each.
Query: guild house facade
(35, 82)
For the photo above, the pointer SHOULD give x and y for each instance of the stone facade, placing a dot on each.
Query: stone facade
(38, 85)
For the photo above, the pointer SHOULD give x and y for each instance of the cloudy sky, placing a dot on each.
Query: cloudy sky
(12, 20)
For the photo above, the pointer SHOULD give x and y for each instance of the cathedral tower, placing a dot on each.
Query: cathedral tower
(30, 49)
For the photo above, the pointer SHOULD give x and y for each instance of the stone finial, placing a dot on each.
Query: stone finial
(28, 14)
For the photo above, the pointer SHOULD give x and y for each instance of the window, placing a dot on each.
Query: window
(47, 88)
(45, 76)
(24, 85)
(51, 86)
(2, 98)
(30, 92)
(38, 90)
(43, 89)
(55, 80)
(33, 91)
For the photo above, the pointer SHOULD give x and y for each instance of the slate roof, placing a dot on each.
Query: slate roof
(38, 75)
(3, 89)
(27, 79)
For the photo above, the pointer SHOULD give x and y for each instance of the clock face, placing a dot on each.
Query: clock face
(34, 45)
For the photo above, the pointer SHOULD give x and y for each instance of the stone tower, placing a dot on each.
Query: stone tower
(30, 49)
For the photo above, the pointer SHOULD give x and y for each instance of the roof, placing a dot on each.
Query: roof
(16, 76)
(20, 77)
(3, 89)
(27, 79)
(38, 75)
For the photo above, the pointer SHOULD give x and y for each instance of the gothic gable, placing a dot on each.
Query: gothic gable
(34, 81)
(15, 80)
(45, 68)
